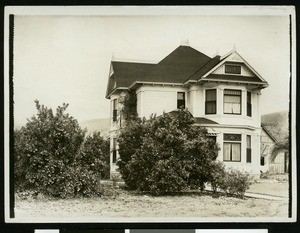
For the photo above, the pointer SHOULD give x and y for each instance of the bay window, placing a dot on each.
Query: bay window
(211, 101)
(249, 105)
(232, 148)
(248, 159)
(232, 101)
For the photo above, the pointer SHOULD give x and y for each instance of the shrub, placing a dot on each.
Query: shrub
(235, 182)
(51, 158)
(165, 154)
(218, 174)
(94, 155)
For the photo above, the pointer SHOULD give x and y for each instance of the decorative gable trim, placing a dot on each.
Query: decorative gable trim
(234, 56)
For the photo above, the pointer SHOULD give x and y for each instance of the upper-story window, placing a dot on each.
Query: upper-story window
(232, 147)
(232, 101)
(233, 69)
(115, 109)
(180, 100)
(249, 104)
(211, 101)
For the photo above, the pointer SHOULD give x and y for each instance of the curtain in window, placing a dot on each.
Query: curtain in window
(232, 104)
(236, 151)
(227, 149)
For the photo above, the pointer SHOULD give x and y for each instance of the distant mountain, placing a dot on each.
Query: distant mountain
(18, 126)
(277, 124)
(101, 125)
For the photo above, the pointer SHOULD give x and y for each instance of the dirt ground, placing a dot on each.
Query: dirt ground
(127, 205)
(280, 189)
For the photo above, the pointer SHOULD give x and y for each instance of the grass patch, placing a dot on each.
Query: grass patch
(123, 203)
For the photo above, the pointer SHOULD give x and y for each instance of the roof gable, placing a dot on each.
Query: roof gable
(181, 66)
(234, 58)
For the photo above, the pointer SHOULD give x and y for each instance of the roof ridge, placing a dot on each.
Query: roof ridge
(134, 60)
(180, 47)
(202, 67)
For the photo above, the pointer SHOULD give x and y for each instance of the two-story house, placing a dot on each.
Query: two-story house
(222, 93)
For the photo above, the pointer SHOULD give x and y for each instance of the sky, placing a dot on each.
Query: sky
(66, 59)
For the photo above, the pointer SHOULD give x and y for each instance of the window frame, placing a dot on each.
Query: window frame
(249, 104)
(248, 149)
(115, 110)
(114, 151)
(210, 102)
(231, 141)
(240, 95)
(229, 69)
(180, 101)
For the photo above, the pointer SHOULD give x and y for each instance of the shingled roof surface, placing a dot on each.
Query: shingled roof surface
(233, 78)
(177, 67)
(203, 120)
(180, 66)
(125, 73)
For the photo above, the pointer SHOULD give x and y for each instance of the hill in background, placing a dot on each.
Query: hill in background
(101, 125)
(277, 124)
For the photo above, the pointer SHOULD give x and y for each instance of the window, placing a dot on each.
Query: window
(248, 159)
(249, 105)
(232, 69)
(262, 161)
(232, 148)
(232, 101)
(114, 151)
(115, 109)
(180, 100)
(211, 101)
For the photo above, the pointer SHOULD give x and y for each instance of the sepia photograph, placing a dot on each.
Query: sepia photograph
(150, 114)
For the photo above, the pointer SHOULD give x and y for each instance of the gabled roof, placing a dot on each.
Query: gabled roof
(236, 78)
(180, 67)
(268, 130)
(125, 73)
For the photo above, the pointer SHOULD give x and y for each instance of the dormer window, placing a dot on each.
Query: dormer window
(233, 69)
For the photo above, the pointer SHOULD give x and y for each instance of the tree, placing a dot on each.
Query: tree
(45, 151)
(129, 110)
(281, 147)
(165, 154)
(94, 155)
